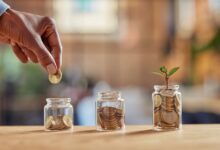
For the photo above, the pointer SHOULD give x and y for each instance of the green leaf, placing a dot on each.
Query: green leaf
(158, 73)
(163, 69)
(172, 71)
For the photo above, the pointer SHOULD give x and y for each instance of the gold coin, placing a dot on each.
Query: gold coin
(169, 117)
(156, 118)
(167, 107)
(157, 100)
(67, 120)
(169, 100)
(156, 109)
(49, 122)
(167, 93)
(164, 125)
(99, 121)
(178, 122)
(55, 78)
(177, 101)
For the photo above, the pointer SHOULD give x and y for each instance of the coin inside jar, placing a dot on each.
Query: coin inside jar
(67, 120)
(49, 122)
(58, 122)
(110, 118)
(177, 101)
(157, 100)
(169, 117)
(55, 78)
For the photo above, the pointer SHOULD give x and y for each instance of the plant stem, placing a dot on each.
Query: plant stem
(166, 80)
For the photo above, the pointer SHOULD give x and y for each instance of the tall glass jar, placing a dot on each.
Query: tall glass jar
(167, 107)
(110, 111)
(58, 114)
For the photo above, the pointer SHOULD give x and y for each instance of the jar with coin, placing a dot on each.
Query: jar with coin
(110, 111)
(58, 114)
(167, 107)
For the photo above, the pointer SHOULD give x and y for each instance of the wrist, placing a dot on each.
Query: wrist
(7, 24)
(3, 7)
(5, 20)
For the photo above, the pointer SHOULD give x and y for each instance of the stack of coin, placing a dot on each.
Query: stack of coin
(110, 118)
(167, 111)
(58, 122)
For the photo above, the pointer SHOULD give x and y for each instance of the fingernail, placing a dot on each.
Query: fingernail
(51, 69)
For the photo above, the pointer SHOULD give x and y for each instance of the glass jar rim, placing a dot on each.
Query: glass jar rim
(58, 100)
(163, 87)
(113, 95)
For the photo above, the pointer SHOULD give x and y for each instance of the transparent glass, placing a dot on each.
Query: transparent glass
(167, 107)
(58, 114)
(110, 111)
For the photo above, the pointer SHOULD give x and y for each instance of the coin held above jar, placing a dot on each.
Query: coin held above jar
(55, 78)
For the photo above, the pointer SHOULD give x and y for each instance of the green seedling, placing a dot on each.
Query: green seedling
(166, 74)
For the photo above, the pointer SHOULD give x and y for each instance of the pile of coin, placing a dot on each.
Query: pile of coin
(58, 122)
(167, 110)
(110, 118)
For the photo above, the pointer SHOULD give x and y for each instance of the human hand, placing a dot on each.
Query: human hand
(32, 37)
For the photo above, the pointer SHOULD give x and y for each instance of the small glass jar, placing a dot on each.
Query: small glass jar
(110, 111)
(167, 107)
(58, 114)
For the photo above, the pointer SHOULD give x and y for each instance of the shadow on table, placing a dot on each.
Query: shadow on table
(145, 132)
(115, 134)
(23, 132)
(107, 134)
(121, 133)
(31, 132)
(86, 131)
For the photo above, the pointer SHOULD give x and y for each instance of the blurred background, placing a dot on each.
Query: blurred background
(115, 45)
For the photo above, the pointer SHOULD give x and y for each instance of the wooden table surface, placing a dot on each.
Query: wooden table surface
(192, 137)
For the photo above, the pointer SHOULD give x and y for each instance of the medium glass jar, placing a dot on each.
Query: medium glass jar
(58, 114)
(110, 111)
(167, 107)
